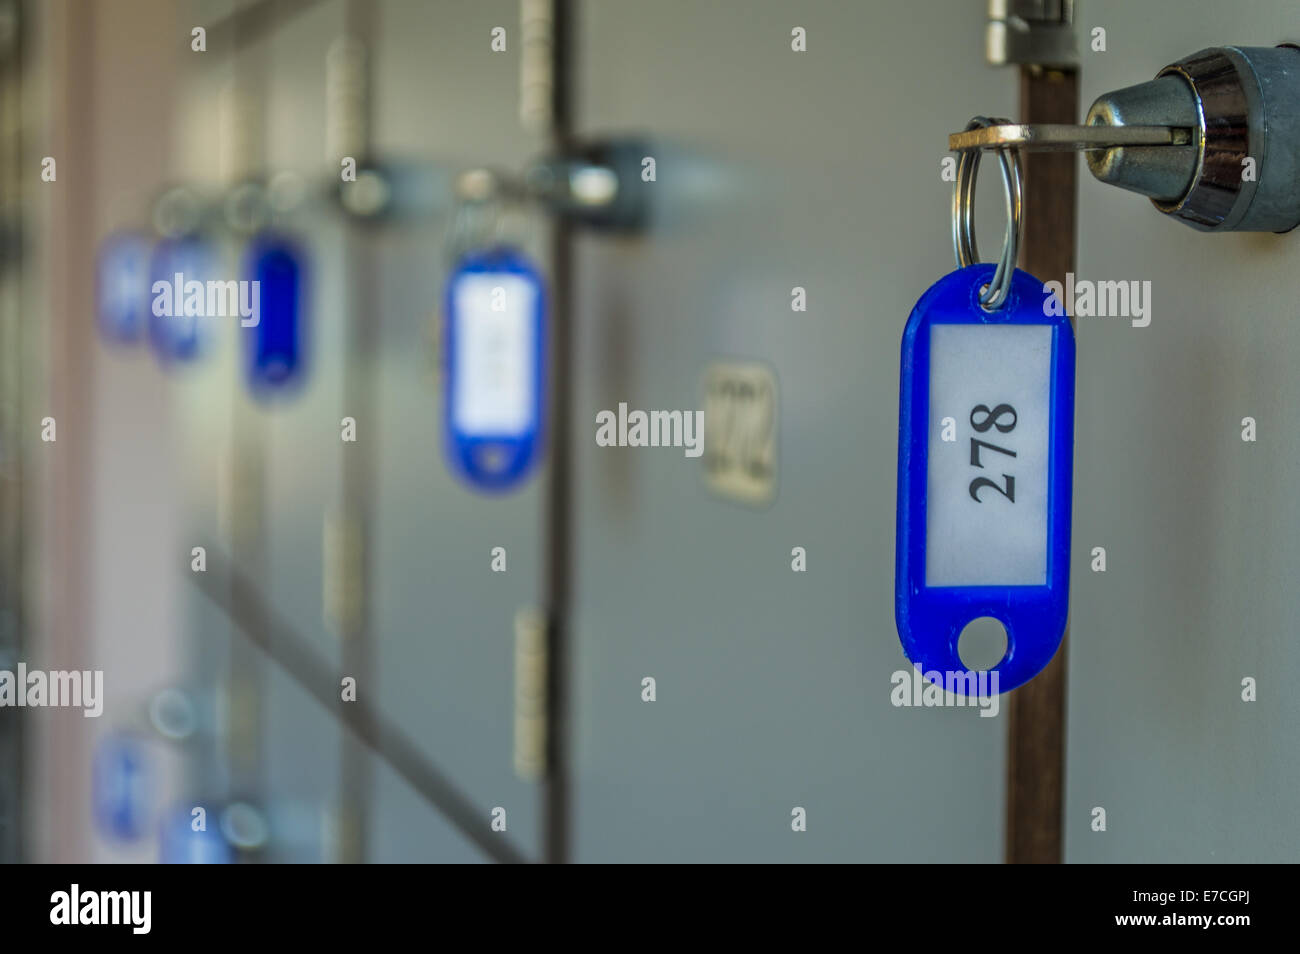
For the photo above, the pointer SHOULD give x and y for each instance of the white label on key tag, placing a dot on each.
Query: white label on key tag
(494, 354)
(994, 382)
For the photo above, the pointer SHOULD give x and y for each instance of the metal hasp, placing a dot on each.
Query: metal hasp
(1242, 103)
(595, 184)
(1040, 32)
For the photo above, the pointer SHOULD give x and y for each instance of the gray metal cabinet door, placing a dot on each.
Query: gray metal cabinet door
(776, 169)
(1199, 525)
(441, 623)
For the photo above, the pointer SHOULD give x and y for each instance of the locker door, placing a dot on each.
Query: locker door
(1199, 526)
(439, 666)
(777, 169)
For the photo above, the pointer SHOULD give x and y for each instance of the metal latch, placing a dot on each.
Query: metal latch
(1038, 32)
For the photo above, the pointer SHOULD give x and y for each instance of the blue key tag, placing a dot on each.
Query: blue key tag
(122, 286)
(275, 335)
(122, 787)
(191, 837)
(495, 353)
(180, 270)
(985, 458)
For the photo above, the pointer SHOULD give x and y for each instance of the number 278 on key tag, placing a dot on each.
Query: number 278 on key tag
(986, 438)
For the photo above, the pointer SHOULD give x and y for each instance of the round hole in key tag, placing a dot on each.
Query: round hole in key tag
(495, 361)
(986, 437)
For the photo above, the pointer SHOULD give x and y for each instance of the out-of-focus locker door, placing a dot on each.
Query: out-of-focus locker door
(1200, 527)
(442, 622)
(776, 169)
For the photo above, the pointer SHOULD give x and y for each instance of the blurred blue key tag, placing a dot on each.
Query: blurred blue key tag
(495, 343)
(275, 333)
(985, 454)
(179, 273)
(120, 786)
(190, 835)
(122, 296)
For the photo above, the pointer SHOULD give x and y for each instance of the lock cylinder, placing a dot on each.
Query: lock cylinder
(1241, 170)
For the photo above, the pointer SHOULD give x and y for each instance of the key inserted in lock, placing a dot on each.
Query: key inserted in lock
(1213, 140)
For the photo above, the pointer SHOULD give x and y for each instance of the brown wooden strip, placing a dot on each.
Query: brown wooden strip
(1036, 711)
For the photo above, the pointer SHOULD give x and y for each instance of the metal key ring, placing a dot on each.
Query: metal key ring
(994, 295)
